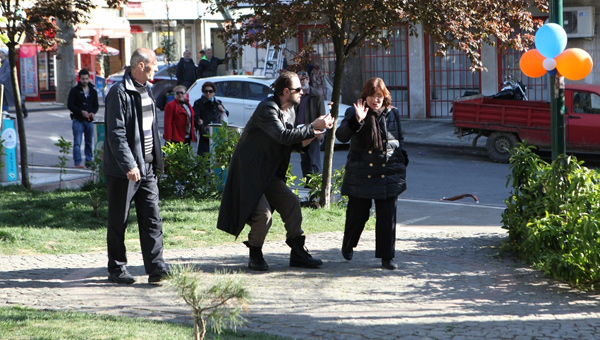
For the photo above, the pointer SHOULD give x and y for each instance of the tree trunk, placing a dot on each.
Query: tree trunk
(20, 119)
(65, 74)
(340, 62)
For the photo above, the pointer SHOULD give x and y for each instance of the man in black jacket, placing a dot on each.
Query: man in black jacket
(132, 156)
(186, 70)
(256, 186)
(83, 104)
(208, 67)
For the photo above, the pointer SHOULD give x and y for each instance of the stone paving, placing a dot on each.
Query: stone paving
(451, 284)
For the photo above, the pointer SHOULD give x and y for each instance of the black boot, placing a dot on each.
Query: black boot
(257, 261)
(299, 256)
(347, 250)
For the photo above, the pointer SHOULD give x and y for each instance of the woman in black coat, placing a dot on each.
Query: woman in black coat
(208, 110)
(375, 169)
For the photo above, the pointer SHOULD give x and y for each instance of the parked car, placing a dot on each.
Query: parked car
(241, 94)
(163, 82)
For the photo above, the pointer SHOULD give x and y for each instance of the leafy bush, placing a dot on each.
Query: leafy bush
(553, 216)
(314, 183)
(189, 175)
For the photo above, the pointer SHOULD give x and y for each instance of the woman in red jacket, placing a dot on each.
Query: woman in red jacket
(179, 118)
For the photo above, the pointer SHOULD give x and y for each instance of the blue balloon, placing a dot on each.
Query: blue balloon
(551, 40)
(552, 72)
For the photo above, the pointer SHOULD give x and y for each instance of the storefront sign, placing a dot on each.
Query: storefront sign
(28, 68)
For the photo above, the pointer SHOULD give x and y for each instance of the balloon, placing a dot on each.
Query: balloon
(531, 64)
(549, 64)
(574, 63)
(552, 72)
(551, 40)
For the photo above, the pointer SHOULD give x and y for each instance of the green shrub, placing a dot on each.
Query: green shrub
(189, 175)
(553, 216)
(314, 183)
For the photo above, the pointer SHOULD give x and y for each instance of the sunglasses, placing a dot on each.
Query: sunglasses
(179, 92)
(207, 91)
(298, 89)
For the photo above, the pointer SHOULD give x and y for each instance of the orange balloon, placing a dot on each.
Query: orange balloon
(531, 64)
(574, 63)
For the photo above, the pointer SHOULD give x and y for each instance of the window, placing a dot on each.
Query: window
(586, 102)
(256, 91)
(231, 89)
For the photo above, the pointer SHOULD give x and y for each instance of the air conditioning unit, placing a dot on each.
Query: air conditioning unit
(579, 22)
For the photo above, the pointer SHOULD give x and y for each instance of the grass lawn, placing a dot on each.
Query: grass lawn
(66, 222)
(17, 323)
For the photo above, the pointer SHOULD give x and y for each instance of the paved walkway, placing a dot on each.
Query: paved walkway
(451, 284)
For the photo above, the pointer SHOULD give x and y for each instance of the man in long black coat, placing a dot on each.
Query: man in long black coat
(256, 184)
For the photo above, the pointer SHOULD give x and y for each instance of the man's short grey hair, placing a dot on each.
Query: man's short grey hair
(140, 55)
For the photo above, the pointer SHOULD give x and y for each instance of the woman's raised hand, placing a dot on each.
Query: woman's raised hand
(361, 109)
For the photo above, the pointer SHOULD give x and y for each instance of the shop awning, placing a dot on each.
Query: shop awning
(83, 47)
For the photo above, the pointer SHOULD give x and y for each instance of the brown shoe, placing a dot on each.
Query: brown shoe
(80, 166)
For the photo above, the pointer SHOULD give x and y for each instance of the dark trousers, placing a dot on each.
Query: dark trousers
(310, 160)
(279, 197)
(203, 146)
(144, 193)
(357, 215)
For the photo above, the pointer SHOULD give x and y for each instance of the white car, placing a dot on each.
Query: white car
(241, 94)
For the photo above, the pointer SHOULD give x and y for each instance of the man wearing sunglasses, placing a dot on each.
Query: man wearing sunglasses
(256, 185)
(208, 110)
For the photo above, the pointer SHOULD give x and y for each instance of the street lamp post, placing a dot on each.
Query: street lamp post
(557, 93)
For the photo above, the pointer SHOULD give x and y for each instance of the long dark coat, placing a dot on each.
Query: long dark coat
(374, 174)
(262, 153)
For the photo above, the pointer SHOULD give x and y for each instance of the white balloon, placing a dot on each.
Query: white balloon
(549, 64)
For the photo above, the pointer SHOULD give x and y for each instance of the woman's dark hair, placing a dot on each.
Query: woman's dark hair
(282, 82)
(372, 86)
(209, 84)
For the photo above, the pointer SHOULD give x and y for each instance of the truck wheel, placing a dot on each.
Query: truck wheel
(498, 146)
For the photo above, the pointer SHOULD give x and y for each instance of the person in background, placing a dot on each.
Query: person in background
(179, 119)
(375, 169)
(311, 106)
(132, 157)
(256, 187)
(83, 104)
(186, 70)
(208, 110)
(5, 79)
(202, 55)
(318, 81)
(208, 67)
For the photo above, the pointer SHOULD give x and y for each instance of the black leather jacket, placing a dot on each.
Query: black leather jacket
(262, 154)
(124, 140)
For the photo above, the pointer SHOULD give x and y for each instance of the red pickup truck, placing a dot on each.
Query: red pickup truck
(507, 122)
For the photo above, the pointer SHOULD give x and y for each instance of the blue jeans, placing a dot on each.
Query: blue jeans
(79, 129)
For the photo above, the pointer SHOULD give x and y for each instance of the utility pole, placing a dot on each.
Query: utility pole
(557, 93)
